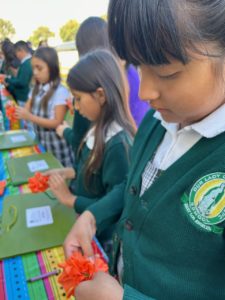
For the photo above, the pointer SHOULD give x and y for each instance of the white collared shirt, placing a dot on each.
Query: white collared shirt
(59, 97)
(25, 58)
(113, 129)
(177, 142)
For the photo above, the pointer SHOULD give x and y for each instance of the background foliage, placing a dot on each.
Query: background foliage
(40, 34)
(6, 29)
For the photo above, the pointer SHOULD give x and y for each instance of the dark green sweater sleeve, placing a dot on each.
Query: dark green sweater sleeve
(23, 77)
(75, 135)
(108, 210)
(114, 171)
(132, 294)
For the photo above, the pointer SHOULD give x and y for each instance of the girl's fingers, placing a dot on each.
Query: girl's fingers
(55, 180)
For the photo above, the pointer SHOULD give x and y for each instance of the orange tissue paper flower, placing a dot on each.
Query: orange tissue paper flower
(78, 268)
(5, 92)
(2, 78)
(2, 187)
(38, 183)
(10, 110)
(69, 103)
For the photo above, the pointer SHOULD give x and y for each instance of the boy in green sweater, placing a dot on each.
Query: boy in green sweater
(19, 85)
(170, 241)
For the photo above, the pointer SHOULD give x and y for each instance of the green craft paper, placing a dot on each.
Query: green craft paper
(19, 171)
(16, 139)
(16, 238)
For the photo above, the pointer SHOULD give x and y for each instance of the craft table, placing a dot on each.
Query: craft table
(15, 271)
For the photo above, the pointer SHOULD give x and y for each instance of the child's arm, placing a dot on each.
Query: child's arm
(22, 79)
(81, 235)
(114, 170)
(60, 129)
(28, 105)
(101, 287)
(75, 135)
(60, 111)
(60, 189)
(66, 173)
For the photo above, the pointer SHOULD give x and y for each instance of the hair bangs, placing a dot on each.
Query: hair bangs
(152, 35)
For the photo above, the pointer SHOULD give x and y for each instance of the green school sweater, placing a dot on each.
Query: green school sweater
(173, 235)
(19, 86)
(113, 170)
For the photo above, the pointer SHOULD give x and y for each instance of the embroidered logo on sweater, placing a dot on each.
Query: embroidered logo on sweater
(206, 202)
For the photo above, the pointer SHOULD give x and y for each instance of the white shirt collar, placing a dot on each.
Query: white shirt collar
(209, 127)
(113, 129)
(45, 87)
(25, 58)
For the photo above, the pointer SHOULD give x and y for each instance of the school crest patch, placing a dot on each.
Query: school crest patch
(205, 203)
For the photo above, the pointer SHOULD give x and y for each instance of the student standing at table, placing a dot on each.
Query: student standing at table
(93, 34)
(46, 107)
(103, 155)
(19, 85)
(10, 63)
(170, 242)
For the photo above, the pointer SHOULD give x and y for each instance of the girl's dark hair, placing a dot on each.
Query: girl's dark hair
(100, 69)
(92, 34)
(148, 31)
(22, 45)
(11, 60)
(50, 57)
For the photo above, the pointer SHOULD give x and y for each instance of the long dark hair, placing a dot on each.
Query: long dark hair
(50, 57)
(11, 61)
(100, 69)
(148, 31)
(92, 34)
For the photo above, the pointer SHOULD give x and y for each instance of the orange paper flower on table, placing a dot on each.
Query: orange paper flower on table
(38, 183)
(10, 110)
(78, 268)
(69, 103)
(2, 187)
(5, 92)
(2, 77)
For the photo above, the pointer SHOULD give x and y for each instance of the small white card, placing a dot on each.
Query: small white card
(39, 216)
(38, 165)
(18, 138)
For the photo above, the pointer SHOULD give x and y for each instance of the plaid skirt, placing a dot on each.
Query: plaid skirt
(49, 139)
(56, 145)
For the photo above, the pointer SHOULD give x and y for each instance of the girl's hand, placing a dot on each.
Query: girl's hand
(66, 173)
(101, 287)
(60, 129)
(53, 172)
(81, 235)
(22, 113)
(2, 78)
(60, 190)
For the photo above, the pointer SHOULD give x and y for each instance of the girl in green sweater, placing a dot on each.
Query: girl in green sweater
(98, 86)
(170, 243)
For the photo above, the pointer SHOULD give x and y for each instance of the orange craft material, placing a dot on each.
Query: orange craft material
(2, 78)
(38, 183)
(10, 110)
(69, 104)
(2, 187)
(78, 268)
(5, 92)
